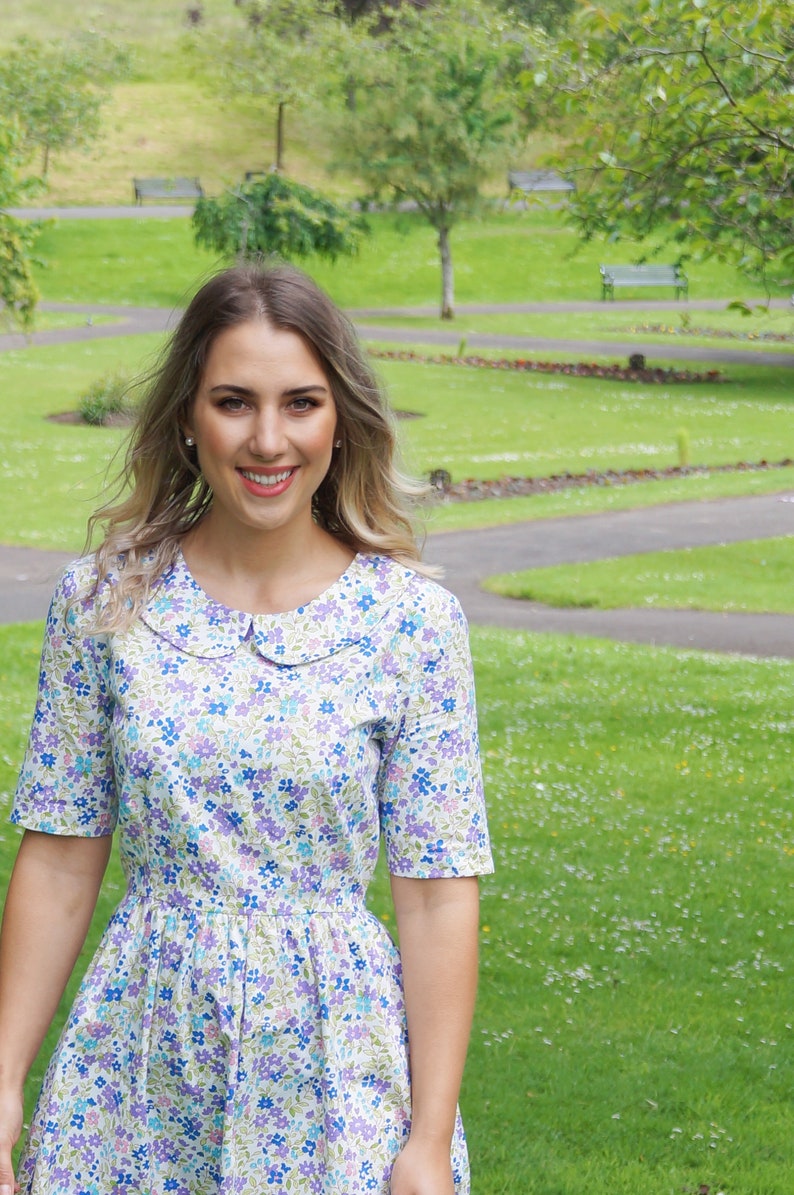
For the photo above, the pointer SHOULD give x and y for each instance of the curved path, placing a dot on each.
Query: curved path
(132, 320)
(26, 575)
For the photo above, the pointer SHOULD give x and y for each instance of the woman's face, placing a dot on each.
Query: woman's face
(264, 421)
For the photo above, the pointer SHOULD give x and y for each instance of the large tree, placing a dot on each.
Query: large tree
(55, 90)
(685, 115)
(434, 112)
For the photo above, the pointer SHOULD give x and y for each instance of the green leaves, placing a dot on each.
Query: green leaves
(274, 215)
(685, 125)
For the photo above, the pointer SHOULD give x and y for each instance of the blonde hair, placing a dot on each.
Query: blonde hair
(363, 501)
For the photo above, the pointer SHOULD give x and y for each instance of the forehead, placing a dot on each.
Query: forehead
(255, 349)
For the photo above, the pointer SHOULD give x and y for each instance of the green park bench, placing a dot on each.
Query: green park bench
(166, 188)
(612, 276)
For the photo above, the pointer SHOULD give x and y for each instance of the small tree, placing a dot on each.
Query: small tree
(435, 113)
(55, 90)
(276, 56)
(273, 215)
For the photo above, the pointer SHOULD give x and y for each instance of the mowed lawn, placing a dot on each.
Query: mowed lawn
(634, 1026)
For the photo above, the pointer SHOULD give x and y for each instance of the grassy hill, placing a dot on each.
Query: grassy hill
(166, 119)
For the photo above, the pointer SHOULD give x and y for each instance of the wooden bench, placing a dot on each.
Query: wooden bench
(529, 182)
(612, 276)
(166, 188)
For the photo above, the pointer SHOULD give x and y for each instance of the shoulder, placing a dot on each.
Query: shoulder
(419, 608)
(78, 597)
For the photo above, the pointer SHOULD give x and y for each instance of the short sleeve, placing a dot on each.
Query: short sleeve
(66, 784)
(432, 806)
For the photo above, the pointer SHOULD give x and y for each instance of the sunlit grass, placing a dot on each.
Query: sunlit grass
(634, 1027)
(752, 576)
(506, 257)
(475, 423)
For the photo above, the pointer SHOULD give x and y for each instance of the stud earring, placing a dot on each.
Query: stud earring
(189, 442)
(337, 443)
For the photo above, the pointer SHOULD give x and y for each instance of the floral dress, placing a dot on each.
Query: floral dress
(241, 1028)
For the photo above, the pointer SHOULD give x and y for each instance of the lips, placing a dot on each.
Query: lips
(267, 485)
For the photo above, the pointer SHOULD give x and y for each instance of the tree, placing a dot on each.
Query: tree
(55, 90)
(550, 15)
(687, 126)
(436, 113)
(275, 55)
(273, 215)
(18, 292)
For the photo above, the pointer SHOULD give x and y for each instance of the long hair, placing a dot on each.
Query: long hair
(363, 500)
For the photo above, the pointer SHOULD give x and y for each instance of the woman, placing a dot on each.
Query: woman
(250, 680)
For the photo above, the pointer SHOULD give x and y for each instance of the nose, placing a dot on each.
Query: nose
(268, 437)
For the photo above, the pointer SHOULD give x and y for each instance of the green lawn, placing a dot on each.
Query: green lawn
(475, 423)
(634, 1030)
(508, 257)
(587, 499)
(751, 576)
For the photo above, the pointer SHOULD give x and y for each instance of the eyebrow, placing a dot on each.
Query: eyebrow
(248, 393)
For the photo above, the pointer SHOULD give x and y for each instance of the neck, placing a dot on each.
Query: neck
(265, 572)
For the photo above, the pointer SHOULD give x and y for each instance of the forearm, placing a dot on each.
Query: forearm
(51, 898)
(437, 922)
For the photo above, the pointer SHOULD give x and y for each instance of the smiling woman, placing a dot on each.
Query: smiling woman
(253, 681)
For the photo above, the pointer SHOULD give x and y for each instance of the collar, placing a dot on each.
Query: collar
(180, 612)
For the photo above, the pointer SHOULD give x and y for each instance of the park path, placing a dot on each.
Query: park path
(26, 575)
(136, 320)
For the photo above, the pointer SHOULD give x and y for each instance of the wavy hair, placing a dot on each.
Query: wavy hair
(364, 500)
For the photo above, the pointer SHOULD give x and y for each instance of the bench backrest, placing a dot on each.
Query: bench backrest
(664, 275)
(537, 180)
(167, 188)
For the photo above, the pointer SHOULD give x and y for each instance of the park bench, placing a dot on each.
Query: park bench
(612, 276)
(166, 188)
(531, 181)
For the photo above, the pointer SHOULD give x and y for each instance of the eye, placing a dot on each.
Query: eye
(232, 402)
(303, 403)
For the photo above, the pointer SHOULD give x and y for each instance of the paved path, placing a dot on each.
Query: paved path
(26, 575)
(135, 320)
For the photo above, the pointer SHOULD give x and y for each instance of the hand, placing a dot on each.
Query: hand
(10, 1128)
(422, 1169)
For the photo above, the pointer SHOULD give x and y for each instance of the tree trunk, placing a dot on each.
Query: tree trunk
(280, 135)
(45, 161)
(447, 275)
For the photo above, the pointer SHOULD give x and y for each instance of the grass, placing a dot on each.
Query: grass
(634, 1030)
(474, 423)
(495, 512)
(750, 576)
(510, 257)
(727, 329)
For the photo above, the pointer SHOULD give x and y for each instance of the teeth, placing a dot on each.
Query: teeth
(266, 480)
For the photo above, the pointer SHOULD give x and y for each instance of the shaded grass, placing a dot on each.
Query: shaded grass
(633, 1030)
(753, 576)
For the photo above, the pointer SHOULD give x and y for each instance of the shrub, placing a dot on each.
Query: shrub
(106, 397)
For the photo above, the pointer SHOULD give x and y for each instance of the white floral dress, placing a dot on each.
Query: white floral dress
(241, 1029)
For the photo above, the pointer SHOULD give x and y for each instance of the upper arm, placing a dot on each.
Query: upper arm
(67, 783)
(432, 805)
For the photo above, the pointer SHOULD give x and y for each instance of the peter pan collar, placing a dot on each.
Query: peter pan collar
(180, 612)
